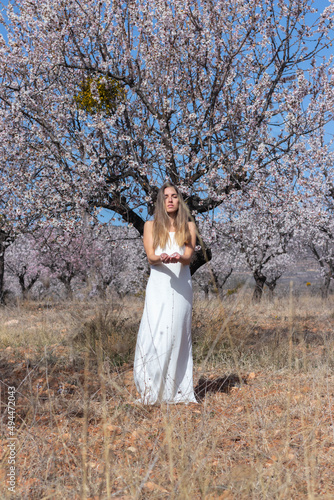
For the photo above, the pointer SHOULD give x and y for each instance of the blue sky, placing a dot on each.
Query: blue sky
(318, 4)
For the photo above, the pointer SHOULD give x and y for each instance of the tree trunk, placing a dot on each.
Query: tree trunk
(2, 272)
(25, 289)
(325, 286)
(102, 286)
(67, 284)
(259, 284)
(4, 242)
(272, 285)
(200, 258)
(221, 282)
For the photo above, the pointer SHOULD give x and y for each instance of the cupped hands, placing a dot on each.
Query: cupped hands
(170, 259)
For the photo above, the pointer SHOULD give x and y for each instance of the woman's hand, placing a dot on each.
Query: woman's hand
(165, 259)
(174, 258)
(170, 259)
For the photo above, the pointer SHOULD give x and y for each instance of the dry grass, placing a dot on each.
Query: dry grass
(80, 433)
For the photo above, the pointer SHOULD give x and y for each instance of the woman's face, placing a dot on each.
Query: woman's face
(171, 200)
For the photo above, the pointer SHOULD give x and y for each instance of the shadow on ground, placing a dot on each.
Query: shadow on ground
(219, 384)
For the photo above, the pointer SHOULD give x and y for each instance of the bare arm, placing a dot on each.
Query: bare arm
(148, 244)
(185, 259)
(189, 247)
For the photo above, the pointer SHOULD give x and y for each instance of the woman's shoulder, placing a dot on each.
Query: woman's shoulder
(148, 226)
(192, 226)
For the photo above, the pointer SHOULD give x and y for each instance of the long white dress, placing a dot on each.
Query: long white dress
(163, 366)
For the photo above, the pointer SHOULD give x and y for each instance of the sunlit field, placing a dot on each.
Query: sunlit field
(263, 427)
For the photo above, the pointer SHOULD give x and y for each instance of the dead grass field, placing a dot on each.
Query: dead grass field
(80, 435)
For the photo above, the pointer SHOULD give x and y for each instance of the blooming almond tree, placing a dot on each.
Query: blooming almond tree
(263, 231)
(17, 213)
(66, 254)
(5, 241)
(317, 207)
(120, 261)
(99, 258)
(100, 102)
(23, 263)
(224, 260)
(321, 244)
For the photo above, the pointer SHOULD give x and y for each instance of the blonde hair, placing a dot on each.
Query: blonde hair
(161, 220)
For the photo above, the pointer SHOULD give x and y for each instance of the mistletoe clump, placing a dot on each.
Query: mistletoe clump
(100, 94)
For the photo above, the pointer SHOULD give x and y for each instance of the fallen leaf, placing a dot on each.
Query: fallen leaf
(131, 449)
(153, 486)
(114, 428)
(135, 435)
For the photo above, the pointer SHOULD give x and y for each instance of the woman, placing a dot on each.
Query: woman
(163, 360)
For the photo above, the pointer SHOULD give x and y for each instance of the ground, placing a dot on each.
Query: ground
(79, 432)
